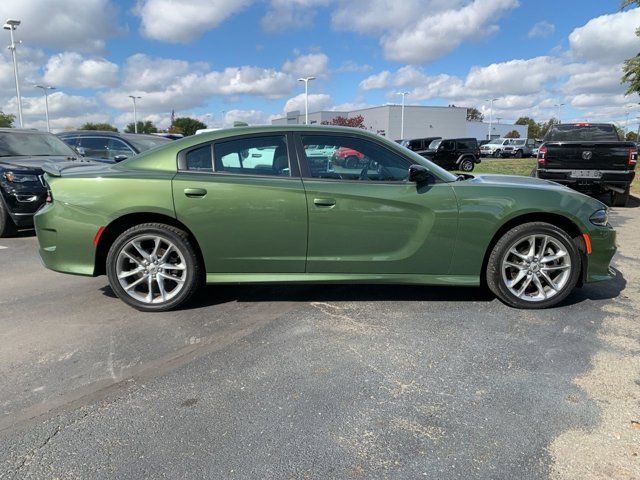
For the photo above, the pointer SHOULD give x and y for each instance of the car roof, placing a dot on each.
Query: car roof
(23, 130)
(106, 133)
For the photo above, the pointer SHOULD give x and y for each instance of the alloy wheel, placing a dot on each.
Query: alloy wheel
(151, 269)
(536, 268)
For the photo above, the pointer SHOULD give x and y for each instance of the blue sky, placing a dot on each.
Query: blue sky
(243, 57)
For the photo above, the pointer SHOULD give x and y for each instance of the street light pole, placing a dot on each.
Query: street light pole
(306, 81)
(11, 26)
(404, 94)
(558, 105)
(46, 102)
(135, 113)
(490, 116)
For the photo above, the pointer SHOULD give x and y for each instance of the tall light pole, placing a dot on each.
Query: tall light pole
(490, 116)
(135, 113)
(11, 26)
(306, 81)
(558, 106)
(46, 102)
(404, 94)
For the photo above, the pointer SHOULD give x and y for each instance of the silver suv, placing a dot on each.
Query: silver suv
(519, 147)
(494, 148)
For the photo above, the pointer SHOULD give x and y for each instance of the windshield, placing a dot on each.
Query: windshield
(435, 144)
(497, 141)
(582, 132)
(146, 143)
(33, 144)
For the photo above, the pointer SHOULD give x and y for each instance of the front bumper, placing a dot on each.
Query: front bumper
(23, 201)
(603, 245)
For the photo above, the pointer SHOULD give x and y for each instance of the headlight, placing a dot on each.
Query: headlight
(20, 177)
(600, 218)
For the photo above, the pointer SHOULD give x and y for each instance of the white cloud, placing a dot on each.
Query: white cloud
(349, 66)
(176, 21)
(149, 73)
(81, 25)
(542, 29)
(378, 80)
(252, 117)
(70, 69)
(317, 101)
(288, 14)
(607, 39)
(314, 64)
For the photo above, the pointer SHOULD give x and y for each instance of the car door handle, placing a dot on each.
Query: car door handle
(195, 192)
(324, 202)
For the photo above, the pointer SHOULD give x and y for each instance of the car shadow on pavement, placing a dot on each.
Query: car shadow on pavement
(218, 294)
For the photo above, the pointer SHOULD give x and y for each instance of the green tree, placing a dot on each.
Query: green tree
(545, 126)
(354, 122)
(474, 115)
(99, 126)
(143, 127)
(6, 119)
(631, 68)
(512, 134)
(533, 130)
(186, 126)
(631, 137)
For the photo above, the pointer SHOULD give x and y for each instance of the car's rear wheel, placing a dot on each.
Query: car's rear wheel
(534, 265)
(153, 267)
(351, 162)
(620, 199)
(466, 165)
(7, 227)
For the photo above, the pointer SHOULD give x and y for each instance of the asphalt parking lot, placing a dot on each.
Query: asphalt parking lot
(318, 381)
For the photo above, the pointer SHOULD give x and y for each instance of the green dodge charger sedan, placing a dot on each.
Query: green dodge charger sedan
(251, 205)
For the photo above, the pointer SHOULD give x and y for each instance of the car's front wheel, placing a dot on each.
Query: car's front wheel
(7, 227)
(153, 267)
(534, 265)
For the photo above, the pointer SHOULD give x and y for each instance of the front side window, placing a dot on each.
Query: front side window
(117, 148)
(353, 158)
(263, 155)
(448, 145)
(95, 147)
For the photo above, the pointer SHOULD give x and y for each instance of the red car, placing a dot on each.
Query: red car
(347, 157)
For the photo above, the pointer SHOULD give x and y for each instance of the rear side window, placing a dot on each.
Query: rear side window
(466, 144)
(199, 159)
(261, 155)
(582, 133)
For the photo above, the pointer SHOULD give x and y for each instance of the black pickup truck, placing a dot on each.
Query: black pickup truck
(589, 157)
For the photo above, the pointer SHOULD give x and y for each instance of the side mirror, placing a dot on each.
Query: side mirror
(419, 174)
(440, 148)
(119, 158)
(80, 151)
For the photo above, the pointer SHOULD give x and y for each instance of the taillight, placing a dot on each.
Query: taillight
(542, 155)
(632, 158)
(49, 198)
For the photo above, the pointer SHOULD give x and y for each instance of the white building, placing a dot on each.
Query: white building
(419, 122)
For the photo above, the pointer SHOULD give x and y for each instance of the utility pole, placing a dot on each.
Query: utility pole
(135, 113)
(306, 81)
(404, 94)
(490, 116)
(11, 26)
(46, 102)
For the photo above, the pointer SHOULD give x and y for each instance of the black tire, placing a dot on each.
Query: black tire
(519, 154)
(534, 172)
(494, 277)
(7, 227)
(466, 165)
(620, 199)
(193, 277)
(497, 154)
(351, 162)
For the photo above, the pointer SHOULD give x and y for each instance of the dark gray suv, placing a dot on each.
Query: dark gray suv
(111, 146)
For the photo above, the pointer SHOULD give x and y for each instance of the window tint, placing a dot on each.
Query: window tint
(467, 144)
(448, 145)
(95, 147)
(199, 159)
(582, 132)
(415, 145)
(118, 148)
(352, 158)
(264, 155)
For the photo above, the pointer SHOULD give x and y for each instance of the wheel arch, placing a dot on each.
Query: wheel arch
(120, 224)
(560, 221)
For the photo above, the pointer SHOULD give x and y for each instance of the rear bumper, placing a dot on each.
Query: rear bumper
(617, 179)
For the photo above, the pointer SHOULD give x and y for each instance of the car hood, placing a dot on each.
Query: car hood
(495, 180)
(34, 163)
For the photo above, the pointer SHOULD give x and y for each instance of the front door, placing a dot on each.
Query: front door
(244, 201)
(370, 219)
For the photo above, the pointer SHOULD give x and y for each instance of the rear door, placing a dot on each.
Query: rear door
(372, 220)
(243, 199)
